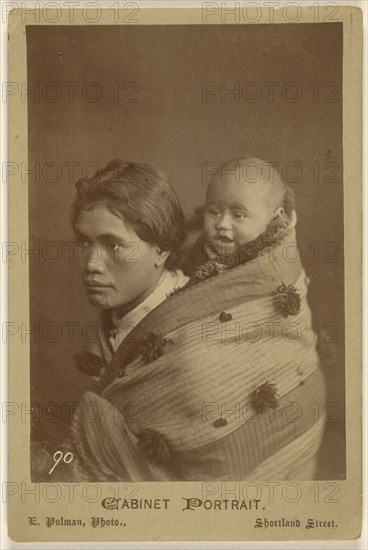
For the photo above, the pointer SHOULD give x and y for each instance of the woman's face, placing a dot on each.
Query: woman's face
(117, 267)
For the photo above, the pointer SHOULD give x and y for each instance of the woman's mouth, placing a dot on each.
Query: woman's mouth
(95, 286)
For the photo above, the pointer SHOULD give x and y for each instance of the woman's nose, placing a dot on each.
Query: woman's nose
(92, 257)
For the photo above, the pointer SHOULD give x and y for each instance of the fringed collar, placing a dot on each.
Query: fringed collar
(248, 251)
(215, 262)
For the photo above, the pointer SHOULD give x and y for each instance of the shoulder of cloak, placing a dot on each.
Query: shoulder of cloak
(256, 279)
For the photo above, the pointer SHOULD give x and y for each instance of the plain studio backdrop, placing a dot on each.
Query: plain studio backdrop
(184, 98)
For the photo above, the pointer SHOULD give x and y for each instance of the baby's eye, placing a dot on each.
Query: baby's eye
(240, 215)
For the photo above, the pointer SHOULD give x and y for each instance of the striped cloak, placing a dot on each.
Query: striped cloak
(219, 382)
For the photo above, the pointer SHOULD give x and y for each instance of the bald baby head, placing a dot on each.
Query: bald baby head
(243, 196)
(263, 179)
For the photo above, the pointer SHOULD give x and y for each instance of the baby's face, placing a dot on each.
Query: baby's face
(236, 212)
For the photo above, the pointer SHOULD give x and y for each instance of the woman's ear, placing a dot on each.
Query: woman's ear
(278, 212)
(161, 257)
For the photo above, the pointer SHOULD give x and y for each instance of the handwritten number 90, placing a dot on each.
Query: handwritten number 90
(58, 456)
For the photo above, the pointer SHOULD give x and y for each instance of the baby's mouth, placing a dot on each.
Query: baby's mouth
(225, 245)
(224, 239)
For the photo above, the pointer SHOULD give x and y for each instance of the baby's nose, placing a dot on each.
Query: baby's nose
(224, 222)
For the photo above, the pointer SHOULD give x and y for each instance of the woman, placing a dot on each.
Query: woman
(130, 227)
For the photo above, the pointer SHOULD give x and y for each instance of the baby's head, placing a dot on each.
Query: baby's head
(243, 197)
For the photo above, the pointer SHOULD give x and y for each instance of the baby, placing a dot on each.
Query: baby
(247, 207)
(249, 277)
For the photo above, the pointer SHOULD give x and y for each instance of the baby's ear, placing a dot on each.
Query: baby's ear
(278, 212)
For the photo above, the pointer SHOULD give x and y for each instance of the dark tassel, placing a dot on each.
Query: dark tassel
(209, 269)
(155, 445)
(89, 363)
(153, 346)
(220, 423)
(287, 300)
(265, 397)
(225, 317)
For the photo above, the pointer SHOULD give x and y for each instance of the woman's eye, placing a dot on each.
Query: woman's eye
(114, 246)
(83, 243)
(240, 215)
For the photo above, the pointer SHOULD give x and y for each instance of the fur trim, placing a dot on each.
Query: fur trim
(209, 269)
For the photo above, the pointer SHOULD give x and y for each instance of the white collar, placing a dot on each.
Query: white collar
(168, 282)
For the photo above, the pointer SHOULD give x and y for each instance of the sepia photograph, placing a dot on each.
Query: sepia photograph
(188, 266)
(187, 279)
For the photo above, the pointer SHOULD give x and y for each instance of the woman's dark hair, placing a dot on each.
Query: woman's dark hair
(142, 195)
